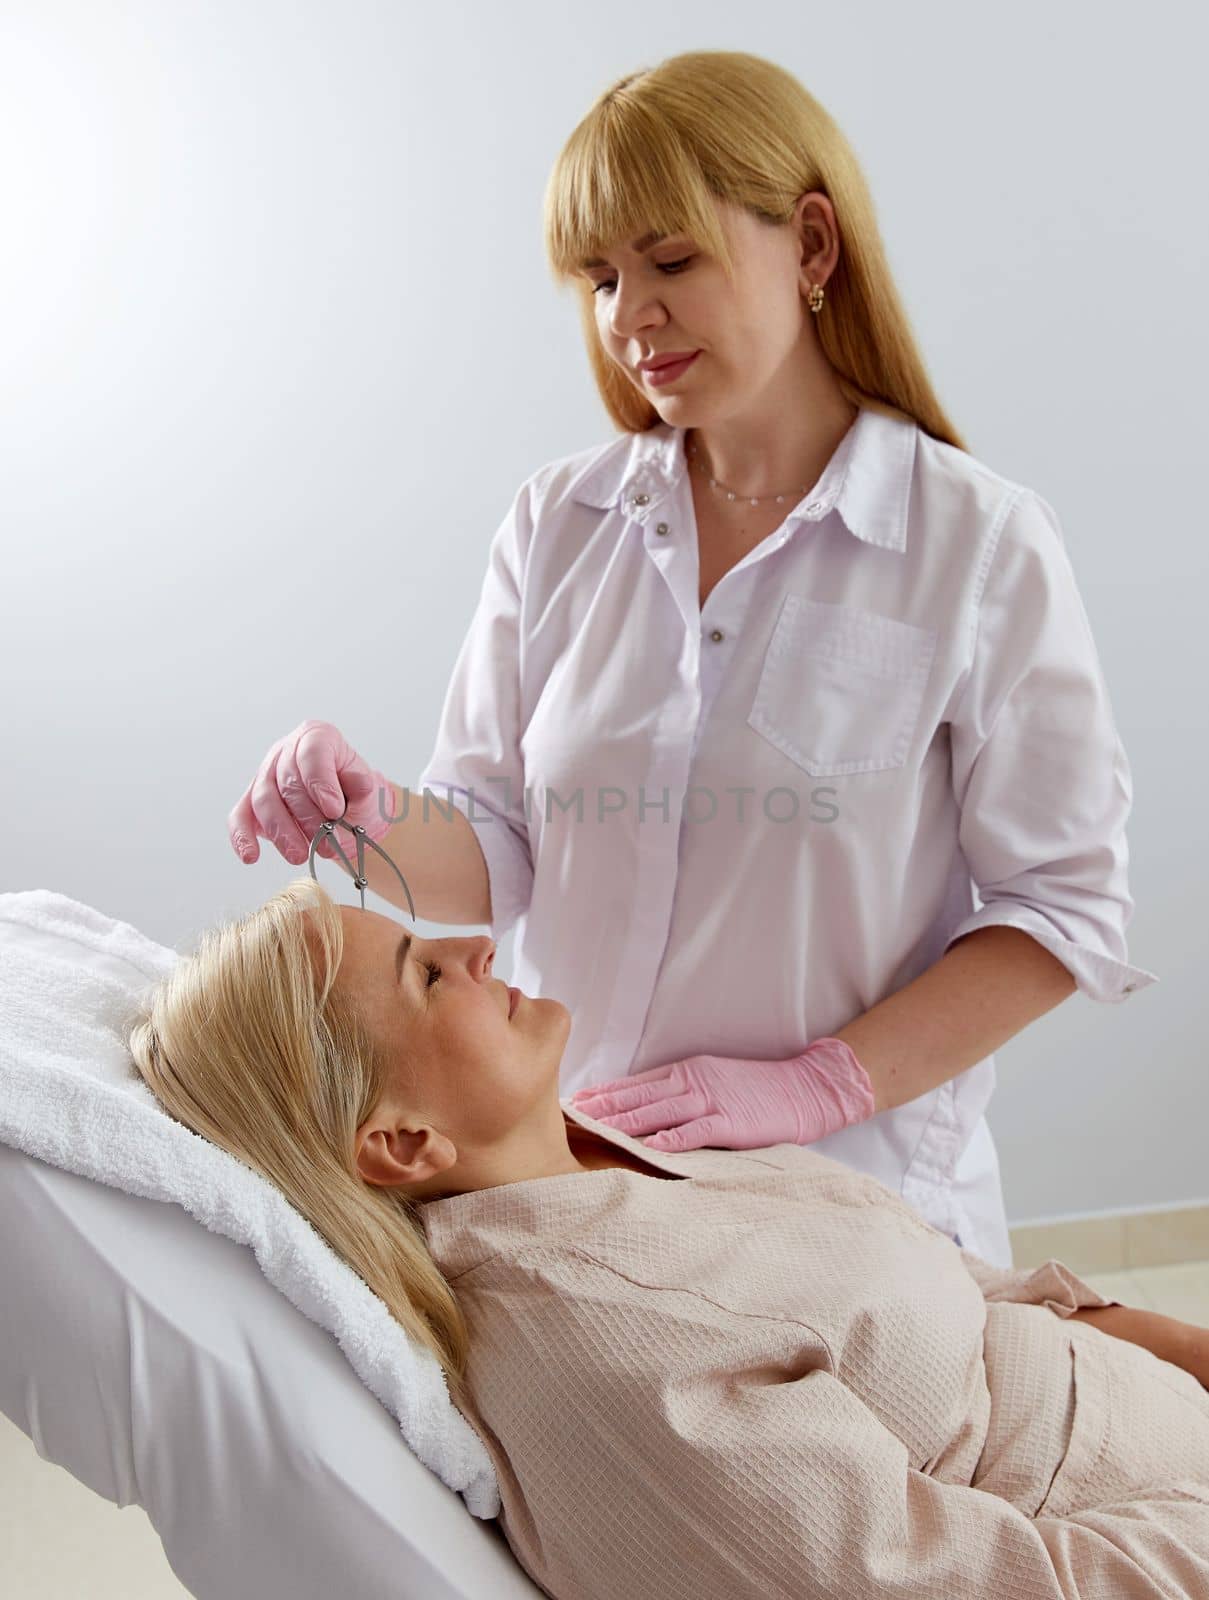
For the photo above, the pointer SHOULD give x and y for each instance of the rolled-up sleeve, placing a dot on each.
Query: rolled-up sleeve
(710, 1457)
(1039, 771)
(476, 763)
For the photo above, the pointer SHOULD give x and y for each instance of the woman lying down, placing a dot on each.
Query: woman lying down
(721, 1374)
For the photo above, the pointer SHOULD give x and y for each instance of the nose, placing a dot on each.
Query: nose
(479, 953)
(628, 312)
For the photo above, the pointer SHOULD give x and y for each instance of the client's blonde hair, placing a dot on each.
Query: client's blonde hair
(246, 1043)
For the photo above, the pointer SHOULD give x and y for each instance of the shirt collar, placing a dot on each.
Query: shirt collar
(867, 480)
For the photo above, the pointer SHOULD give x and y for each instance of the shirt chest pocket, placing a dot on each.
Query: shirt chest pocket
(841, 688)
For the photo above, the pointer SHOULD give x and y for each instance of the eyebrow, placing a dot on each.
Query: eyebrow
(645, 243)
(404, 946)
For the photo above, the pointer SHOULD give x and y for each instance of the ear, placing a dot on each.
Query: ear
(394, 1155)
(818, 236)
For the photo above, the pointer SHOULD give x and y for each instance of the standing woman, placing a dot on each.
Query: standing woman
(756, 693)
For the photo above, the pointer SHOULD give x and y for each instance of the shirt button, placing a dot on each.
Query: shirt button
(662, 528)
(641, 499)
(717, 635)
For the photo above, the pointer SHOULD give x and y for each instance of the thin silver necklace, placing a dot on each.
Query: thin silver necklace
(753, 500)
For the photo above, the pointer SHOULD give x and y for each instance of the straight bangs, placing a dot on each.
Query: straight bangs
(623, 173)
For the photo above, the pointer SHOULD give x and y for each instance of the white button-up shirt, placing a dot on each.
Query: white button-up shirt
(730, 829)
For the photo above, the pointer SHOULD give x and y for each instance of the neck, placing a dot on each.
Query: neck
(781, 450)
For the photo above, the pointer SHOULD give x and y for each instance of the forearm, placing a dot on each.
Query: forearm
(982, 991)
(1181, 1343)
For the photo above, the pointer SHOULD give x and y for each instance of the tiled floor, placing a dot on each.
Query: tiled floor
(58, 1538)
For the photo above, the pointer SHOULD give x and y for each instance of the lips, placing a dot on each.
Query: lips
(670, 372)
(666, 361)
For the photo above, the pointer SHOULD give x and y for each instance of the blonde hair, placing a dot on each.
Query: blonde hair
(246, 1043)
(654, 149)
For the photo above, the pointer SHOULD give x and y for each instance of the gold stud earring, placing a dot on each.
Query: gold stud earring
(815, 298)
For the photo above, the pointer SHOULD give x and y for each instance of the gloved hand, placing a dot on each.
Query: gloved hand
(305, 779)
(735, 1104)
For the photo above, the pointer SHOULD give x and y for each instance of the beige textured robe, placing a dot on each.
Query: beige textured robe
(772, 1378)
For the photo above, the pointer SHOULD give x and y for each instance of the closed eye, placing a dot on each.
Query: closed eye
(664, 266)
(434, 973)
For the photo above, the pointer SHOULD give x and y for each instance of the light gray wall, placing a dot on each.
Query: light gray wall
(279, 344)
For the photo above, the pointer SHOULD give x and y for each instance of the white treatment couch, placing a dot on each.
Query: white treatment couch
(153, 1360)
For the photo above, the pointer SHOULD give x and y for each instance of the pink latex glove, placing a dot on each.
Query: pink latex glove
(735, 1104)
(307, 777)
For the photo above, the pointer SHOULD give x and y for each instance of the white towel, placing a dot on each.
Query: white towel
(70, 1094)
